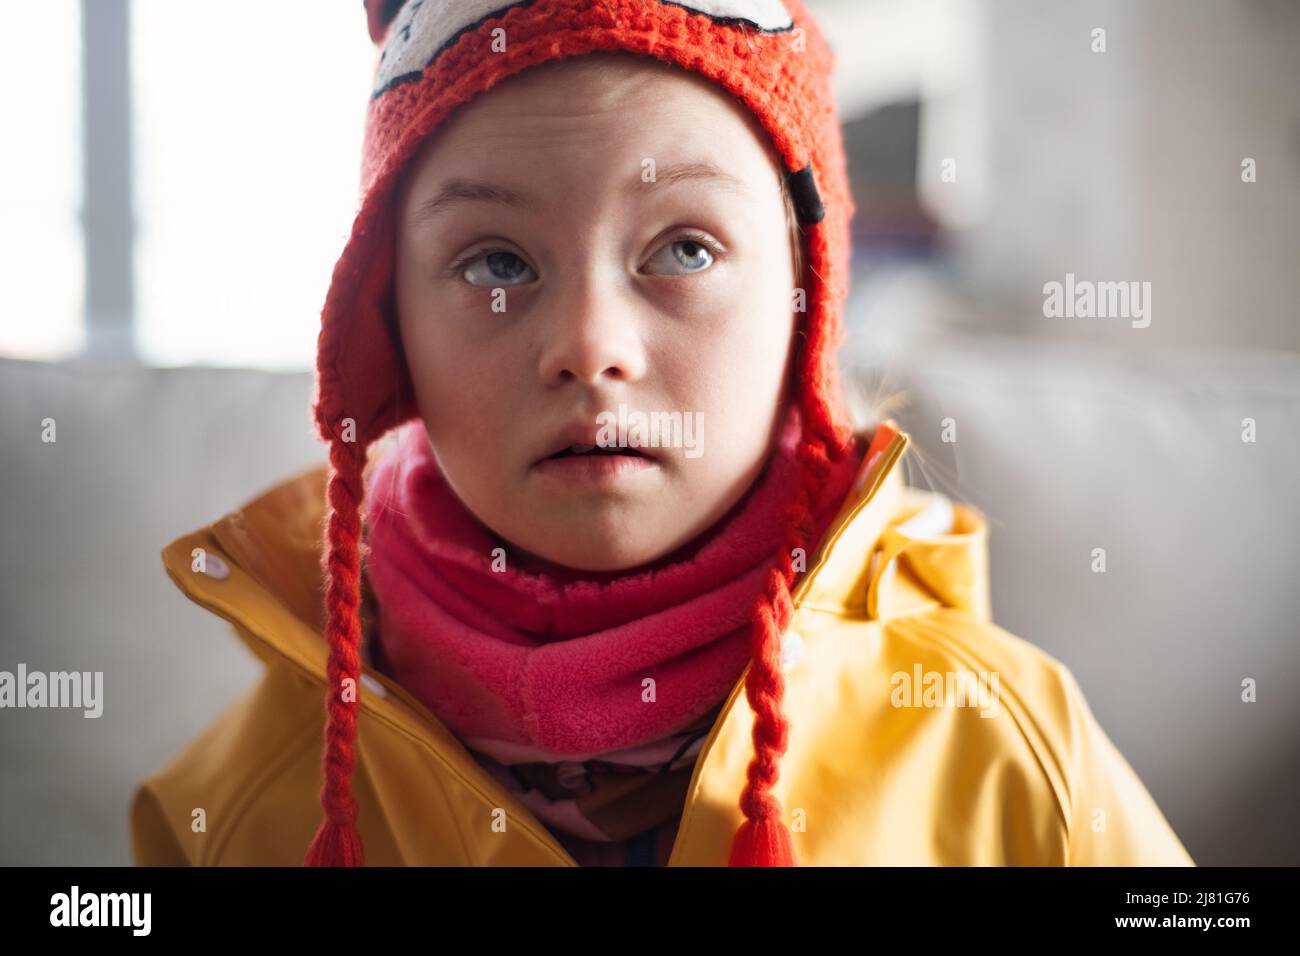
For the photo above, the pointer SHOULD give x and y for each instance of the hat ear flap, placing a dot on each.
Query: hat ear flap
(379, 14)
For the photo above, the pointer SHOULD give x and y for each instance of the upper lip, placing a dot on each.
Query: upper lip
(584, 432)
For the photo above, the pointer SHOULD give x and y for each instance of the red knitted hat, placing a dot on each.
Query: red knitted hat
(438, 54)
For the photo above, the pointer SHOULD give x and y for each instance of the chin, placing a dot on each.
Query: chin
(599, 557)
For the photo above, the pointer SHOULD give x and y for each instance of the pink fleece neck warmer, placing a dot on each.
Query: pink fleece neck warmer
(550, 665)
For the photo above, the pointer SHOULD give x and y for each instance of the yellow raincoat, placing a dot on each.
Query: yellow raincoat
(920, 732)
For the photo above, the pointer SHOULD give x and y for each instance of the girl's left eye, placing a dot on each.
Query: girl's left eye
(687, 255)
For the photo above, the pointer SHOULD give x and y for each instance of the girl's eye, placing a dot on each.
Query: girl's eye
(492, 268)
(685, 256)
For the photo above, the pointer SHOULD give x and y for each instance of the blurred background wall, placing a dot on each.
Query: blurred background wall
(177, 183)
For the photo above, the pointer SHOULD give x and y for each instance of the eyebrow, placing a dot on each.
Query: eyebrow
(460, 191)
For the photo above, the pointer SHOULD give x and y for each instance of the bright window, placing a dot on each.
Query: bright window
(42, 285)
(248, 119)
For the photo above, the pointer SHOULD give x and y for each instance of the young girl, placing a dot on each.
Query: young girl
(623, 583)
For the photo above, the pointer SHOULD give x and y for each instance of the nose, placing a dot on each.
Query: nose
(591, 335)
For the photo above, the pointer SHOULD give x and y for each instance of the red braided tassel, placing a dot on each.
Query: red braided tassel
(337, 841)
(762, 842)
(336, 844)
(764, 839)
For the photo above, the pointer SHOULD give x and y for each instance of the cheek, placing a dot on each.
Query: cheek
(734, 376)
(467, 401)
(463, 393)
(756, 337)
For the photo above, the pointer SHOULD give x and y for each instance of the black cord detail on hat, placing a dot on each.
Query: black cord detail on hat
(807, 200)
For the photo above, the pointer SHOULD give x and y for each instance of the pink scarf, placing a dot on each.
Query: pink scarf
(545, 668)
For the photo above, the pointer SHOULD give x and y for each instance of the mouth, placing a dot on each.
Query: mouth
(583, 457)
(584, 439)
(590, 467)
(592, 451)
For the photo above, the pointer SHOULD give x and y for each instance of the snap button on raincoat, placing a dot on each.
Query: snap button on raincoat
(920, 732)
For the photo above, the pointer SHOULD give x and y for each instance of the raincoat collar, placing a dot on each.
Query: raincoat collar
(259, 567)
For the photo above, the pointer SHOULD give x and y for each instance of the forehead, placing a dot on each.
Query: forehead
(422, 29)
(563, 130)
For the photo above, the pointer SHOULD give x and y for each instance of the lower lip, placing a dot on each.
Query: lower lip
(594, 469)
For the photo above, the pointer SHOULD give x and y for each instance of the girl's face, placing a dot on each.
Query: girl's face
(594, 234)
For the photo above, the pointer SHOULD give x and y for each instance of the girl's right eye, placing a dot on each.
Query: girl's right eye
(491, 268)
